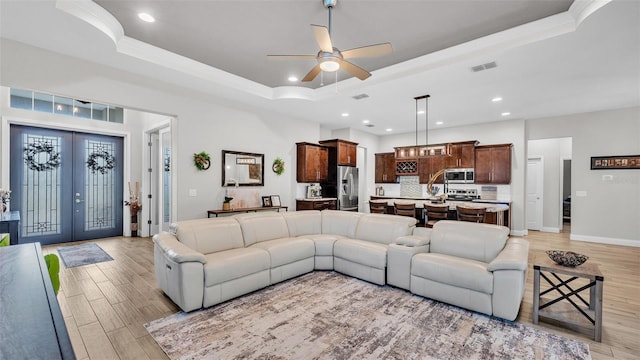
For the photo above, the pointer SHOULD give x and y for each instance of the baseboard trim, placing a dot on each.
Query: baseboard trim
(604, 240)
(550, 229)
(519, 232)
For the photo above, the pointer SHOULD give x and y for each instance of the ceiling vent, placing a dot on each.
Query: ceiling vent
(369, 125)
(360, 96)
(486, 66)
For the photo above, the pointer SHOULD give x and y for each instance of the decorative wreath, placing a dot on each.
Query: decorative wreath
(31, 157)
(102, 166)
(278, 166)
(202, 160)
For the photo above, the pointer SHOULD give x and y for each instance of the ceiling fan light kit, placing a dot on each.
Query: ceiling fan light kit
(330, 58)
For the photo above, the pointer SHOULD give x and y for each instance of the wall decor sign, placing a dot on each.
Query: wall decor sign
(615, 162)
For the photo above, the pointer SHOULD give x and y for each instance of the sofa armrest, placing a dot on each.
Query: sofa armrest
(514, 256)
(412, 241)
(175, 250)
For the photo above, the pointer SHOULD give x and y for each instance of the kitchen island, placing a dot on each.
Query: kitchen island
(497, 212)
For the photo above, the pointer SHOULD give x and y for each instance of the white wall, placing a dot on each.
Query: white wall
(553, 152)
(203, 123)
(610, 211)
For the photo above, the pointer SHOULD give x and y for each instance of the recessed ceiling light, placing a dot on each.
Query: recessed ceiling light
(439, 122)
(345, 114)
(292, 78)
(496, 99)
(506, 113)
(365, 121)
(389, 129)
(146, 17)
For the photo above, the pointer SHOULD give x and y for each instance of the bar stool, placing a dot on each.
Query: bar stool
(470, 214)
(378, 206)
(404, 209)
(435, 213)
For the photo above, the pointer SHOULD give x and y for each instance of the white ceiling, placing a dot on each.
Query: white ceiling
(583, 59)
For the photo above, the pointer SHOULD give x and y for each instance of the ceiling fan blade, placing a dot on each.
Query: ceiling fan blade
(322, 38)
(312, 74)
(292, 57)
(354, 70)
(371, 50)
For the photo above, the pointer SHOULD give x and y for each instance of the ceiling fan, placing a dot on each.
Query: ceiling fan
(331, 59)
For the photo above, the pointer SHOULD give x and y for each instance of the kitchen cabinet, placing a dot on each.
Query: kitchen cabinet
(406, 167)
(312, 163)
(316, 204)
(428, 166)
(345, 151)
(385, 168)
(493, 164)
(462, 155)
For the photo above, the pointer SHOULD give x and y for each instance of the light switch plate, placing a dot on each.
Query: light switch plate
(193, 192)
(581, 193)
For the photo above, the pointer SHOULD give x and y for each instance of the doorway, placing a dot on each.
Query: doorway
(66, 185)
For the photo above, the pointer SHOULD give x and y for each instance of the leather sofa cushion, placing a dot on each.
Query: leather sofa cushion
(262, 226)
(232, 264)
(304, 222)
(384, 229)
(481, 242)
(209, 235)
(362, 252)
(287, 250)
(454, 271)
(324, 243)
(341, 223)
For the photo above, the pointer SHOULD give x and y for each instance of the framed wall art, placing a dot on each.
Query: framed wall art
(615, 162)
(275, 200)
(266, 201)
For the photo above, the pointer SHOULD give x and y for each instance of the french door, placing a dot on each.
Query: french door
(67, 185)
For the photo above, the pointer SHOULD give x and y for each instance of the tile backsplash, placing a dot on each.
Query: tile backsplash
(410, 186)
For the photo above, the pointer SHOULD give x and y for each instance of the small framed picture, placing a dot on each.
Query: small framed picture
(275, 200)
(615, 162)
(266, 201)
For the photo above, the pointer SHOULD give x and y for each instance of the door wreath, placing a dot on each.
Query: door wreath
(100, 161)
(32, 157)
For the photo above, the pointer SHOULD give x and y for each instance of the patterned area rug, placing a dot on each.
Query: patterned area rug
(326, 315)
(84, 254)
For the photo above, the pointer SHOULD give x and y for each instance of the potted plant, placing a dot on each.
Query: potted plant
(226, 205)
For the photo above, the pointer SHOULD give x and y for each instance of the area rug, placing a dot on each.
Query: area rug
(84, 254)
(326, 315)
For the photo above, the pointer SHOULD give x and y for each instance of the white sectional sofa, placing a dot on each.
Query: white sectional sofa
(207, 261)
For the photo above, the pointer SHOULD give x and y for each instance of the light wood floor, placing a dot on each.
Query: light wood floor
(105, 305)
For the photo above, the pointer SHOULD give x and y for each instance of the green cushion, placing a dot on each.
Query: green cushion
(53, 265)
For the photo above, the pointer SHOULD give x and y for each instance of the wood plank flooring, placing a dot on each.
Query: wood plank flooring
(105, 305)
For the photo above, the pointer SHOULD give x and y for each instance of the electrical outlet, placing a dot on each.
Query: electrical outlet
(607, 177)
(193, 192)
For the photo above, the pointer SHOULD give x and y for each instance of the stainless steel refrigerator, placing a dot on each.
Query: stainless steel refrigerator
(347, 191)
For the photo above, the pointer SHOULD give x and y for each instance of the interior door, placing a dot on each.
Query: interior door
(534, 193)
(66, 185)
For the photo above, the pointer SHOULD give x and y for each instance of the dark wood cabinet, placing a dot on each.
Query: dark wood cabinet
(429, 166)
(345, 151)
(462, 155)
(385, 168)
(493, 164)
(321, 204)
(312, 163)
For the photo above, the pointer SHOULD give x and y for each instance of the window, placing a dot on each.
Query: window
(30, 100)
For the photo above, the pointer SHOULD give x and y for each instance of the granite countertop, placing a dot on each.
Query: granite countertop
(490, 207)
(317, 199)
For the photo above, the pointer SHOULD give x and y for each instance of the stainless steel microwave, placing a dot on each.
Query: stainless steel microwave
(459, 176)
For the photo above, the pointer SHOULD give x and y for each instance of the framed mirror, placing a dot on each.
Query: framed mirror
(242, 169)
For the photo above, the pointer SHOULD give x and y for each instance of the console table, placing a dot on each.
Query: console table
(575, 313)
(31, 323)
(245, 210)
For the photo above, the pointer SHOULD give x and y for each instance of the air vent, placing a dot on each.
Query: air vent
(360, 96)
(486, 66)
(369, 125)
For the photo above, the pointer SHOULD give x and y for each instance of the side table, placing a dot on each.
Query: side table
(575, 313)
